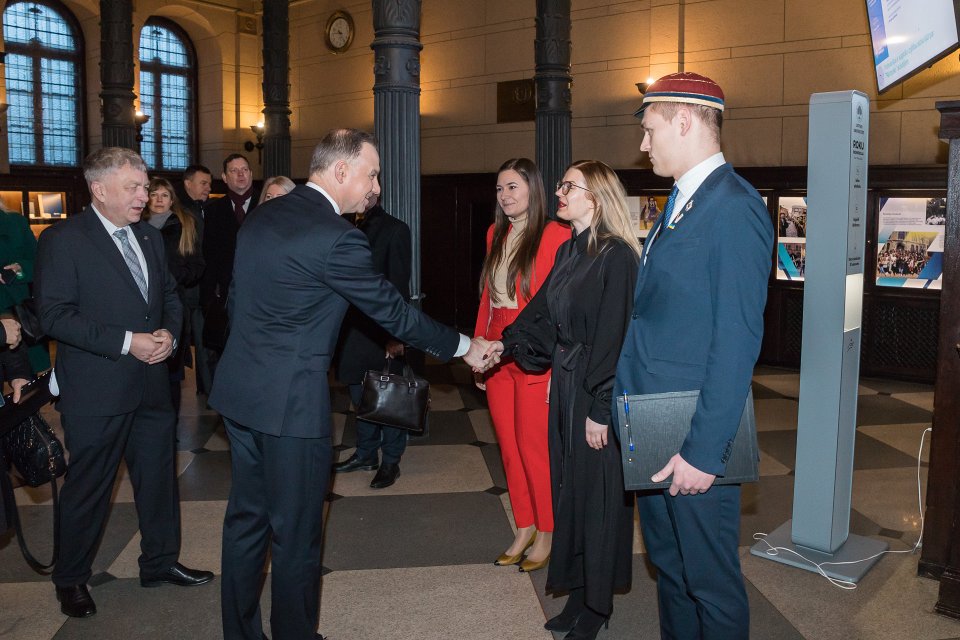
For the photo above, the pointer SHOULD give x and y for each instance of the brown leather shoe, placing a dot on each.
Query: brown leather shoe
(76, 602)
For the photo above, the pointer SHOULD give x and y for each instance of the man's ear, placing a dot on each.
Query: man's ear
(684, 119)
(340, 171)
(97, 191)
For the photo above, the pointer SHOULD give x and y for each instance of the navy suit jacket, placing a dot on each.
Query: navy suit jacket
(697, 322)
(88, 299)
(298, 267)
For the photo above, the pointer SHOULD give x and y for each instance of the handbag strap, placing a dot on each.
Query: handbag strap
(36, 565)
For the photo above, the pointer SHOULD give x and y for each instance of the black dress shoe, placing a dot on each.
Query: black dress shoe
(178, 575)
(353, 463)
(386, 476)
(76, 601)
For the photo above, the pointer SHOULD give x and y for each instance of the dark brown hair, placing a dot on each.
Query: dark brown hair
(189, 238)
(522, 261)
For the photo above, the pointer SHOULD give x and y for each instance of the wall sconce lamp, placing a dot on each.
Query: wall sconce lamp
(258, 130)
(140, 119)
(643, 86)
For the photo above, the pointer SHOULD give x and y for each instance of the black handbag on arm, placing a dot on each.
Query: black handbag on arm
(28, 441)
(393, 400)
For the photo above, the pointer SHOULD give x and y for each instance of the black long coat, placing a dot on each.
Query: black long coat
(577, 322)
(187, 271)
(362, 341)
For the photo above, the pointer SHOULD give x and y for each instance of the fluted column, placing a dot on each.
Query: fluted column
(396, 114)
(276, 88)
(116, 74)
(553, 92)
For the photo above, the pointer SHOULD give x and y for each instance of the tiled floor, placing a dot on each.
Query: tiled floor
(414, 561)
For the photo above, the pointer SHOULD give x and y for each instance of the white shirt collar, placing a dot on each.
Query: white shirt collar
(314, 185)
(689, 182)
(109, 226)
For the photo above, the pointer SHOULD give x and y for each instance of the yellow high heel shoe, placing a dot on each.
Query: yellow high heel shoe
(532, 565)
(505, 560)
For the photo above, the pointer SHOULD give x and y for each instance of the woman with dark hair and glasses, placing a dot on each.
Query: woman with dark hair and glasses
(521, 245)
(577, 323)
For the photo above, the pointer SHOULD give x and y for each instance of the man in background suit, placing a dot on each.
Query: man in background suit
(105, 294)
(697, 325)
(222, 220)
(364, 345)
(193, 194)
(299, 266)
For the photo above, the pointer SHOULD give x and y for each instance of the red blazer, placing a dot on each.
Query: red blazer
(554, 235)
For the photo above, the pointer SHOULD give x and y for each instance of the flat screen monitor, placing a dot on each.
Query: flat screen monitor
(909, 36)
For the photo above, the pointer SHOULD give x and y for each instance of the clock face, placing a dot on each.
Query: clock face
(339, 32)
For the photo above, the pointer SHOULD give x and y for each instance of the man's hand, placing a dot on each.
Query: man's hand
(394, 349)
(165, 347)
(12, 329)
(479, 355)
(144, 346)
(687, 479)
(17, 384)
(596, 434)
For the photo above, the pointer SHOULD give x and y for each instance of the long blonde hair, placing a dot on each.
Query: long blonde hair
(189, 238)
(611, 217)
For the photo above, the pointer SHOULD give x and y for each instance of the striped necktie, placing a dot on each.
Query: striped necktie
(130, 256)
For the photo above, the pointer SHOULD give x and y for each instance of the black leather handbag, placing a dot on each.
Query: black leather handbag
(33, 448)
(395, 400)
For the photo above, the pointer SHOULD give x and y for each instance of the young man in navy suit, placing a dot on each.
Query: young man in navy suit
(298, 266)
(697, 325)
(106, 295)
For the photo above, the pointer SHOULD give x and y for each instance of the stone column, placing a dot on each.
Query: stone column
(116, 74)
(396, 115)
(553, 93)
(276, 88)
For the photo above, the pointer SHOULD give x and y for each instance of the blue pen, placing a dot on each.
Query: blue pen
(626, 418)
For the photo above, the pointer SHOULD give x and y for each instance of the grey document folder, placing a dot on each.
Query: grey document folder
(657, 424)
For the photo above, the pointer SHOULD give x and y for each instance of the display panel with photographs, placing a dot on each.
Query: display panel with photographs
(791, 238)
(46, 206)
(910, 242)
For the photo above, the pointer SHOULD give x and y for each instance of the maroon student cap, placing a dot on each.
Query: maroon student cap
(691, 88)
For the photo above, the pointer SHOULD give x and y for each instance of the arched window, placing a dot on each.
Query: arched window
(167, 95)
(43, 70)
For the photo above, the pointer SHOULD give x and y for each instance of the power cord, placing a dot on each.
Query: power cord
(847, 584)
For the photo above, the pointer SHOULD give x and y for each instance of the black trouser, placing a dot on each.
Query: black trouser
(276, 504)
(145, 440)
(372, 436)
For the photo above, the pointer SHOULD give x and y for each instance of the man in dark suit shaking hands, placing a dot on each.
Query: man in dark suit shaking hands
(105, 294)
(298, 266)
(697, 324)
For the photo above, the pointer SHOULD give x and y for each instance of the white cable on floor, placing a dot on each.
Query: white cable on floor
(847, 584)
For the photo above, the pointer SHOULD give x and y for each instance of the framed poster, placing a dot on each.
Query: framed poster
(910, 234)
(791, 237)
(643, 211)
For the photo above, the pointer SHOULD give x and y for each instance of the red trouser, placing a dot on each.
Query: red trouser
(519, 410)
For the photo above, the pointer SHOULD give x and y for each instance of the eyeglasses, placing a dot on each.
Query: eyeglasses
(564, 187)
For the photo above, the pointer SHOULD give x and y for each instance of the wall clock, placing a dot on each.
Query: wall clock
(338, 34)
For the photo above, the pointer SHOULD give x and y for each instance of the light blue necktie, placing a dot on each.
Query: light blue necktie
(668, 211)
(132, 262)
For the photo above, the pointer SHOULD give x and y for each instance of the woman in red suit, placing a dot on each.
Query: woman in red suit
(521, 246)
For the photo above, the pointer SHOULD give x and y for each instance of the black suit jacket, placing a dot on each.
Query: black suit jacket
(362, 341)
(220, 229)
(88, 300)
(299, 266)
